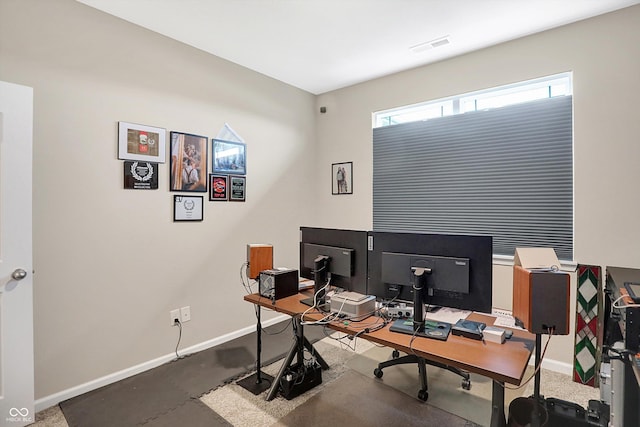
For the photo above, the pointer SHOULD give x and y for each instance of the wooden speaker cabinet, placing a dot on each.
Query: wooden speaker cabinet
(541, 300)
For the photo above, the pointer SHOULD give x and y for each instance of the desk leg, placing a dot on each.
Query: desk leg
(287, 362)
(497, 405)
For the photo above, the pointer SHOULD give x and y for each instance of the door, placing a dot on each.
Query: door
(16, 278)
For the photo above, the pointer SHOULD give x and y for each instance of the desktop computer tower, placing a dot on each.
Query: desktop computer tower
(276, 284)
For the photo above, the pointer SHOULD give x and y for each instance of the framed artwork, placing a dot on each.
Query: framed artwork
(140, 175)
(238, 188)
(187, 208)
(228, 157)
(188, 162)
(342, 178)
(141, 143)
(218, 187)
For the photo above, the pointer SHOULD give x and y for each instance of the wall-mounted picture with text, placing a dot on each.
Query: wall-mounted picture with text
(238, 188)
(218, 188)
(188, 162)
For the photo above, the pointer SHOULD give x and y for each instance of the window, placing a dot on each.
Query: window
(547, 87)
(501, 166)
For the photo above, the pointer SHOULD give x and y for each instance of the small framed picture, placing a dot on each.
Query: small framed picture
(188, 162)
(342, 178)
(238, 188)
(218, 187)
(140, 175)
(141, 143)
(228, 157)
(187, 208)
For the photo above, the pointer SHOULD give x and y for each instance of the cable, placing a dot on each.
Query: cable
(550, 331)
(614, 304)
(179, 338)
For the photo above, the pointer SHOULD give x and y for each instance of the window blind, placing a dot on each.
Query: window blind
(505, 172)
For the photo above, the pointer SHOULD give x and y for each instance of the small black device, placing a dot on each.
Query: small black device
(468, 329)
(276, 284)
(633, 289)
(299, 378)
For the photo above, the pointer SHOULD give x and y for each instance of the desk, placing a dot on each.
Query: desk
(503, 363)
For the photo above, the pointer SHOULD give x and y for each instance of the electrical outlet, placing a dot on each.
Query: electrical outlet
(175, 315)
(185, 314)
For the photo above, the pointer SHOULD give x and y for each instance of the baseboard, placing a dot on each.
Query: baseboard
(54, 399)
(555, 366)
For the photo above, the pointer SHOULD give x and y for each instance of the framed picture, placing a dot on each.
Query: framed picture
(140, 175)
(142, 143)
(229, 157)
(187, 208)
(342, 178)
(188, 162)
(218, 188)
(238, 188)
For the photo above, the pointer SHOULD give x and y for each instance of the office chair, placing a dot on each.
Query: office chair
(423, 393)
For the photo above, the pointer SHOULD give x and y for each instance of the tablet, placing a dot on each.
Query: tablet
(634, 291)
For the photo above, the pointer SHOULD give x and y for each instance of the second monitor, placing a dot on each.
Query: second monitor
(335, 256)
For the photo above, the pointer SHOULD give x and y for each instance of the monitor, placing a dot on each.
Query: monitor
(340, 254)
(451, 270)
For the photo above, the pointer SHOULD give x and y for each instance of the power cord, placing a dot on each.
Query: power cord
(177, 322)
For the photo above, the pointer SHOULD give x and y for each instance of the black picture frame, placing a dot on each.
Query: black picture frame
(188, 208)
(218, 188)
(237, 188)
(188, 171)
(228, 157)
(342, 178)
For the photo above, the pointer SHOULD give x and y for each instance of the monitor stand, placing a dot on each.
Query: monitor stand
(320, 282)
(418, 326)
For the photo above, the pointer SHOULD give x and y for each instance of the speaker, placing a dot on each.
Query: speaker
(541, 300)
(276, 284)
(259, 258)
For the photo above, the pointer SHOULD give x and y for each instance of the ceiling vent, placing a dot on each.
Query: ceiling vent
(442, 41)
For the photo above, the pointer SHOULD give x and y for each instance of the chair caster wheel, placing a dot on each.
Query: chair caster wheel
(423, 395)
(466, 384)
(377, 372)
(395, 354)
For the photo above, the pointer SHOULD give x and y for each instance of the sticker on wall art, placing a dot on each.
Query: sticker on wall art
(140, 175)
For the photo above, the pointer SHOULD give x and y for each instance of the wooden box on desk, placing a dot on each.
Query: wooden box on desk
(541, 294)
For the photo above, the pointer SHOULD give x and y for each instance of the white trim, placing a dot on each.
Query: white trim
(555, 366)
(54, 399)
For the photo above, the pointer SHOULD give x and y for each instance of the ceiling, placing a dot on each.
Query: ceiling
(322, 45)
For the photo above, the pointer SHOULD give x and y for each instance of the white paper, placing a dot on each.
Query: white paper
(228, 134)
(447, 314)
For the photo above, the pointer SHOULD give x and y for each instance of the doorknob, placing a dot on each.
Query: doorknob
(19, 274)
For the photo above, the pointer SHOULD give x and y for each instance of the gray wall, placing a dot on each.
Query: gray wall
(110, 263)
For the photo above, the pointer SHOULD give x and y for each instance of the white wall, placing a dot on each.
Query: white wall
(604, 55)
(110, 263)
